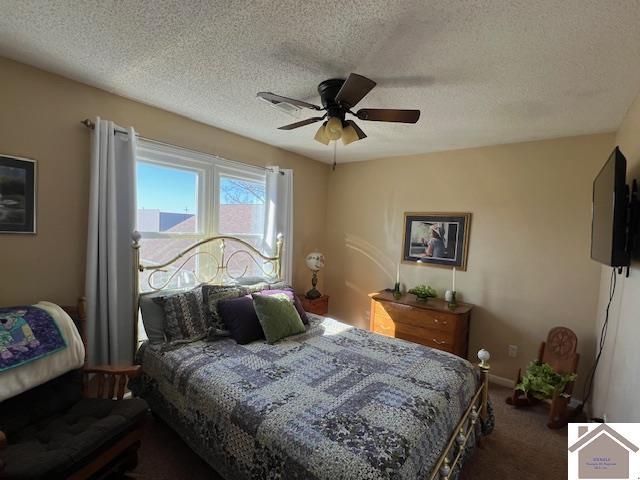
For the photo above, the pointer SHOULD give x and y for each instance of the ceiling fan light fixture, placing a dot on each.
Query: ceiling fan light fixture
(349, 135)
(334, 128)
(321, 135)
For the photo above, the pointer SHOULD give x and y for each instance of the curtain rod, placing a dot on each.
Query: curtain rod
(91, 125)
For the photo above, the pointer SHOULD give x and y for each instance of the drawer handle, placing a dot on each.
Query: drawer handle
(439, 343)
(435, 320)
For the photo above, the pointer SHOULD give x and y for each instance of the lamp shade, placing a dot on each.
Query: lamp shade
(315, 261)
(334, 128)
(321, 135)
(349, 135)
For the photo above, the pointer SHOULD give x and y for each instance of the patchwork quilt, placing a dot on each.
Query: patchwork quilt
(335, 402)
(26, 334)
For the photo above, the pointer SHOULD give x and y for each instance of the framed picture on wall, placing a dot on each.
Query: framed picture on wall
(436, 239)
(17, 194)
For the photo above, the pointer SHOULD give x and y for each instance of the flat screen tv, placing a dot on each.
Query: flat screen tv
(609, 222)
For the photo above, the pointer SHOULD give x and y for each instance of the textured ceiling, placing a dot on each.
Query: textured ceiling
(482, 72)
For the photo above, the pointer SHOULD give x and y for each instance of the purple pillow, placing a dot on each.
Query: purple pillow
(240, 318)
(292, 296)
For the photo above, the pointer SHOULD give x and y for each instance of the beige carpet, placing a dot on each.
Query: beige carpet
(521, 447)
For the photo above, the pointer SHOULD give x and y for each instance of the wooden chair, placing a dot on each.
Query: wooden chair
(119, 453)
(559, 351)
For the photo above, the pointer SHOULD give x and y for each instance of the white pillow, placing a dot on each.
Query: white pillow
(24, 377)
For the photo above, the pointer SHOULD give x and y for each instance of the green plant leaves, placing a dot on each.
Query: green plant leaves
(542, 381)
(424, 291)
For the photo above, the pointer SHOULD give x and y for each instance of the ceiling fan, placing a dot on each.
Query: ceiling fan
(338, 97)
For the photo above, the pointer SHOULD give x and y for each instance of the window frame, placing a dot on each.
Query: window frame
(209, 169)
(240, 174)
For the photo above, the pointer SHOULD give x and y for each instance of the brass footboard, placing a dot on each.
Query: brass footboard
(478, 409)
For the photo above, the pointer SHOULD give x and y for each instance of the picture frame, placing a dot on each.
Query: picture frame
(17, 195)
(436, 239)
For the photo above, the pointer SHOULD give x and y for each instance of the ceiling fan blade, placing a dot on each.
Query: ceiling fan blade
(273, 98)
(302, 123)
(354, 89)
(358, 130)
(388, 115)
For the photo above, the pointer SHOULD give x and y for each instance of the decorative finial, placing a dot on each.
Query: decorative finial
(135, 236)
(484, 356)
(445, 470)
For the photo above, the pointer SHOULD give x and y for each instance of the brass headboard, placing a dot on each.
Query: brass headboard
(218, 271)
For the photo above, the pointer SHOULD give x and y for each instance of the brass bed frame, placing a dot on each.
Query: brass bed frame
(271, 266)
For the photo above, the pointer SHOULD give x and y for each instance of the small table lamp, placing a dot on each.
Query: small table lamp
(315, 261)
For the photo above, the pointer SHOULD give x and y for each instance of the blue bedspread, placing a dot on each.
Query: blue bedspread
(333, 403)
(26, 334)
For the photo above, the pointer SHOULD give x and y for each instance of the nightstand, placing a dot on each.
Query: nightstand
(319, 306)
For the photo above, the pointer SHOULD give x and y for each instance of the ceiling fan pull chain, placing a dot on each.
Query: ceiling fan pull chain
(335, 145)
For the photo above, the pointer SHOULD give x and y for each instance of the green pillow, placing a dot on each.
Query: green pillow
(277, 316)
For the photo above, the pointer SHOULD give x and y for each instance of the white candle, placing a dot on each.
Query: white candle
(453, 287)
(398, 274)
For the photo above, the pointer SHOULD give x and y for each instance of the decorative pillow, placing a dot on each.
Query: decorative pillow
(153, 317)
(212, 295)
(277, 316)
(296, 302)
(184, 314)
(255, 287)
(240, 318)
(250, 281)
(280, 285)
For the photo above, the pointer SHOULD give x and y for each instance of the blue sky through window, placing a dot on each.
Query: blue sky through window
(173, 190)
(166, 189)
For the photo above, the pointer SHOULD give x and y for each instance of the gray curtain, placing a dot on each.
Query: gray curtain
(279, 216)
(109, 275)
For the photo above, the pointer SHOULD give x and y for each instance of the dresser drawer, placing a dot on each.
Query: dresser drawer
(426, 336)
(416, 317)
(433, 324)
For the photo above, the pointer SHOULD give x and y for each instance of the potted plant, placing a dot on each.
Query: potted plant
(541, 381)
(423, 292)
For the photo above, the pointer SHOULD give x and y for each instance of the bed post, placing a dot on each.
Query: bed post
(135, 236)
(484, 357)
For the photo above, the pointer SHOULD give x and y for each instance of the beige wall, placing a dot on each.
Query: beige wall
(617, 383)
(529, 245)
(39, 118)
(529, 266)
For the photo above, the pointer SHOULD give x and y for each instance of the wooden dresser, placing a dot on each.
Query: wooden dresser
(429, 323)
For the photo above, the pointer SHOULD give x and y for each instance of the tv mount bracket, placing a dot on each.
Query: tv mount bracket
(633, 218)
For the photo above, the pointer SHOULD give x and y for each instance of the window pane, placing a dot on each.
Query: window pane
(241, 206)
(157, 251)
(241, 265)
(167, 199)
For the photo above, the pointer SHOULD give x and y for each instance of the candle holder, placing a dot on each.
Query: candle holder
(396, 291)
(452, 304)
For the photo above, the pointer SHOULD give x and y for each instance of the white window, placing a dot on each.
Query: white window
(184, 196)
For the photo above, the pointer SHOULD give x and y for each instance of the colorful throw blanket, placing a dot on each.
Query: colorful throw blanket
(26, 334)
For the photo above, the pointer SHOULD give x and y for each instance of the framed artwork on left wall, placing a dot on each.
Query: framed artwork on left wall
(17, 194)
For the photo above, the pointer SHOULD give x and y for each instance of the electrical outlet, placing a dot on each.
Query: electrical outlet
(513, 351)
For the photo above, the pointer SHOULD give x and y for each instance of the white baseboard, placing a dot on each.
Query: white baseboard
(503, 382)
